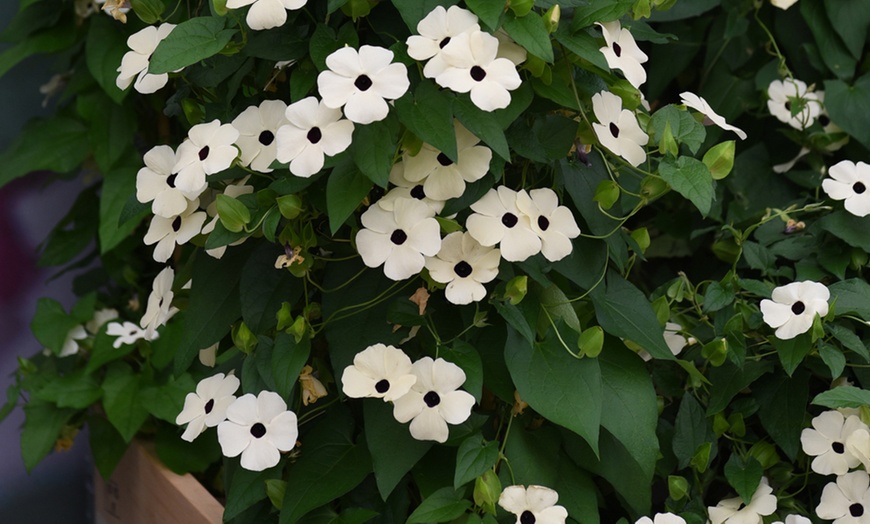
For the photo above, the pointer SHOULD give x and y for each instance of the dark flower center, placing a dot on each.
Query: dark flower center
(258, 430)
(742, 505)
(798, 307)
(398, 237)
(859, 188)
(856, 510)
(170, 180)
(417, 192)
(444, 160)
(527, 517)
(617, 50)
(209, 406)
(463, 269)
(266, 137)
(363, 82)
(509, 220)
(543, 223)
(477, 73)
(824, 120)
(444, 42)
(176, 224)
(203, 154)
(314, 135)
(788, 105)
(431, 399)
(838, 448)
(382, 386)
(614, 130)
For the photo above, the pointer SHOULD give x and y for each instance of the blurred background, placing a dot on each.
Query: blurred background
(58, 489)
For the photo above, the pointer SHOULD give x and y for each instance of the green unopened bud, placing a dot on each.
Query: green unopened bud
(284, 316)
(591, 341)
(275, 490)
(233, 214)
(629, 94)
(716, 351)
(356, 9)
(312, 311)
(487, 489)
(244, 338)
(764, 453)
(818, 330)
(701, 458)
(653, 187)
(641, 236)
(298, 329)
(521, 7)
(678, 487)
(479, 319)
(738, 426)
(858, 259)
(720, 159)
(607, 193)
(535, 66)
(667, 143)
(641, 9)
(516, 289)
(720, 424)
(726, 250)
(149, 11)
(290, 206)
(194, 112)
(551, 18)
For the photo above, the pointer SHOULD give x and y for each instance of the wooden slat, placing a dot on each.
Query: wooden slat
(143, 491)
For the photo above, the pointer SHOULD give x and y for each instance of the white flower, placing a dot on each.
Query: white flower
(465, 266)
(155, 183)
(436, 30)
(846, 501)
(442, 178)
(497, 220)
(258, 428)
(266, 14)
(674, 340)
(167, 232)
(434, 400)
(733, 511)
(858, 443)
(136, 61)
(662, 518)
(361, 81)
(127, 333)
(207, 407)
(783, 4)
(473, 67)
(257, 126)
(70, 346)
(554, 224)
(784, 93)
(533, 505)
(159, 308)
(827, 442)
(208, 356)
(398, 239)
(850, 182)
(101, 316)
(794, 519)
(509, 49)
(794, 306)
(785, 167)
(622, 52)
(378, 371)
(699, 104)
(406, 189)
(234, 190)
(618, 129)
(208, 150)
(312, 131)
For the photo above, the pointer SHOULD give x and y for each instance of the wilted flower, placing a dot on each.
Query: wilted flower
(312, 388)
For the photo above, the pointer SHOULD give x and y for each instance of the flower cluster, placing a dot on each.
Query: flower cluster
(425, 393)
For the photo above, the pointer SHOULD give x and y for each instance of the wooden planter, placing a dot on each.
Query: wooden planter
(144, 491)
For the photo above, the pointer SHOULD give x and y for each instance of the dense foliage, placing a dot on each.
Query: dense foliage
(669, 307)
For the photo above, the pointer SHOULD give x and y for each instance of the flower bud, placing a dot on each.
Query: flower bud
(487, 489)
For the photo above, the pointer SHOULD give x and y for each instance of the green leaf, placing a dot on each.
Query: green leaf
(623, 311)
(75, 390)
(167, 400)
(331, 466)
(324, 42)
(600, 11)
(792, 352)
(51, 324)
(233, 214)
(514, 317)
(849, 339)
(834, 53)
(530, 32)
(214, 306)
(149, 11)
(474, 456)
(121, 400)
(728, 380)
(444, 505)
(685, 129)
(691, 430)
(848, 228)
(719, 159)
(117, 185)
(562, 388)
(103, 351)
(183, 457)
(429, 115)
(744, 477)
(488, 11)
(107, 445)
(582, 44)
(833, 358)
(372, 150)
(717, 297)
(394, 451)
(851, 297)
(413, 11)
(846, 104)
(245, 488)
(690, 178)
(843, 397)
(577, 492)
(191, 41)
(345, 190)
(288, 359)
(48, 40)
(851, 22)
(262, 289)
(105, 47)
(466, 357)
(782, 404)
(43, 423)
(59, 144)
